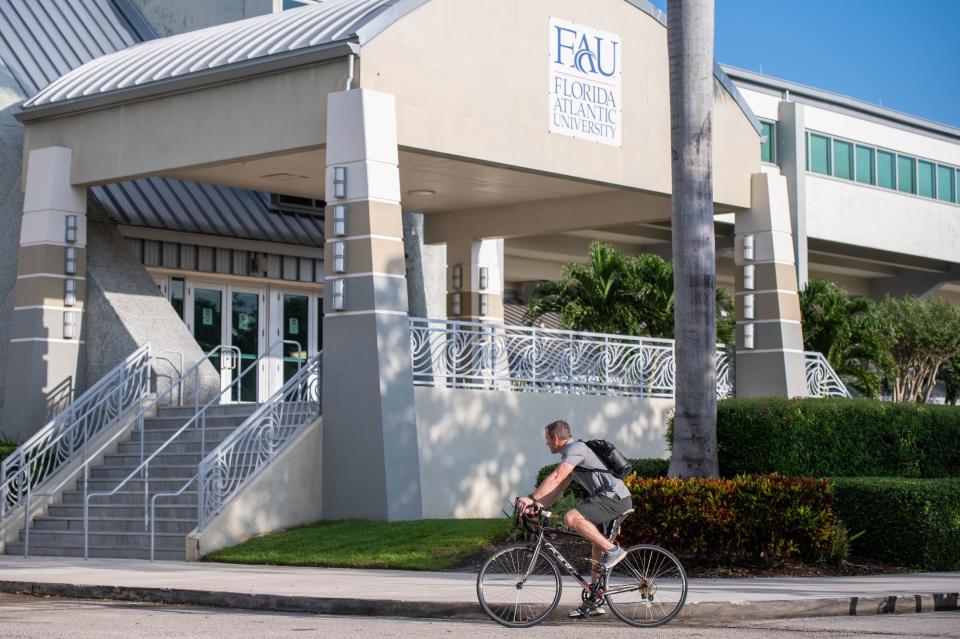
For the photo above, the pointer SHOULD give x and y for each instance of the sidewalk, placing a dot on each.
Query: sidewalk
(446, 595)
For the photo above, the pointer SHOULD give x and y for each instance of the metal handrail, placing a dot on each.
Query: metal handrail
(45, 448)
(822, 380)
(153, 509)
(144, 467)
(85, 466)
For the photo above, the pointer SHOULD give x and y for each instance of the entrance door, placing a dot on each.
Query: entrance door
(296, 327)
(246, 333)
(207, 321)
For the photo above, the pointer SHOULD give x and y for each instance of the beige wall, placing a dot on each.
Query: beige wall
(471, 80)
(480, 449)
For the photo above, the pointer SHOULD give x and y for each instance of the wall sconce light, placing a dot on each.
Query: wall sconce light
(340, 181)
(457, 277)
(69, 325)
(340, 220)
(484, 278)
(748, 247)
(748, 306)
(483, 304)
(748, 272)
(339, 257)
(70, 230)
(70, 261)
(69, 292)
(748, 336)
(258, 264)
(338, 295)
(455, 304)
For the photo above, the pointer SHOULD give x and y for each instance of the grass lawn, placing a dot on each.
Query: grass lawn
(430, 544)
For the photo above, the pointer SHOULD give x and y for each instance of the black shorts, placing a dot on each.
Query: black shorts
(602, 509)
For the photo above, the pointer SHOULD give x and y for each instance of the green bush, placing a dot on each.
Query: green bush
(644, 467)
(837, 438)
(759, 520)
(907, 522)
(6, 448)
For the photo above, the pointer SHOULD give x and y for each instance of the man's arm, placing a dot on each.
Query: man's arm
(556, 492)
(554, 484)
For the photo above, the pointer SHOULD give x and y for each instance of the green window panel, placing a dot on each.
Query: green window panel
(946, 184)
(906, 174)
(768, 142)
(926, 179)
(865, 165)
(842, 159)
(820, 154)
(886, 170)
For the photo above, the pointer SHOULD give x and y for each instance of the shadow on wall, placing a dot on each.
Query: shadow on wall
(59, 397)
(479, 449)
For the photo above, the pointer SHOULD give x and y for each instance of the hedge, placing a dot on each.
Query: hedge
(906, 522)
(6, 448)
(837, 438)
(645, 467)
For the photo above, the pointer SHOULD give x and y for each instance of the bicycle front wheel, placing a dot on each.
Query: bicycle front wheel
(648, 587)
(514, 590)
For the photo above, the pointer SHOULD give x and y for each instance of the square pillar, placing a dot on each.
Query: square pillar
(475, 280)
(769, 342)
(45, 351)
(371, 457)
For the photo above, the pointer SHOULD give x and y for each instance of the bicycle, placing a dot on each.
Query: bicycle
(519, 585)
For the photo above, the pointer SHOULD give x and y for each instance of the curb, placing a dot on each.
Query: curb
(471, 611)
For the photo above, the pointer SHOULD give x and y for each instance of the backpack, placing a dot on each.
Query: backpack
(616, 464)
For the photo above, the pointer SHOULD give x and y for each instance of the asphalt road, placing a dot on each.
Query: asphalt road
(31, 617)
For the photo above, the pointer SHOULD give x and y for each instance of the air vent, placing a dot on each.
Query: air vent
(294, 204)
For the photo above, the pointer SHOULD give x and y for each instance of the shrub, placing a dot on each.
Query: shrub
(644, 467)
(762, 519)
(6, 448)
(907, 522)
(837, 438)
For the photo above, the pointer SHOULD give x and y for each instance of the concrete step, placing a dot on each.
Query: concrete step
(154, 485)
(125, 511)
(111, 524)
(191, 434)
(165, 458)
(131, 498)
(177, 446)
(112, 539)
(97, 552)
(187, 412)
(157, 471)
(164, 421)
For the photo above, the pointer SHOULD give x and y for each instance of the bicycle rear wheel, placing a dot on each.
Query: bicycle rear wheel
(512, 598)
(650, 587)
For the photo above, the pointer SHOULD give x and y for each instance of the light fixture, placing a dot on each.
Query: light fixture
(70, 230)
(748, 336)
(340, 220)
(748, 272)
(748, 306)
(338, 295)
(484, 277)
(69, 325)
(340, 181)
(339, 257)
(70, 261)
(457, 276)
(748, 247)
(69, 292)
(422, 192)
(455, 304)
(483, 303)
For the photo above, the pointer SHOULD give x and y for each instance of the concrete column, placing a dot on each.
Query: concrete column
(769, 345)
(475, 280)
(371, 467)
(791, 152)
(45, 351)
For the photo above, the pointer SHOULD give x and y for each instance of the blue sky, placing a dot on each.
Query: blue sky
(904, 55)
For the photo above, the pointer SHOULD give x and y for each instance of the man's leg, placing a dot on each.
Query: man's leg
(586, 529)
(597, 556)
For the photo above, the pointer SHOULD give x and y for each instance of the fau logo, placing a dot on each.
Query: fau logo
(590, 55)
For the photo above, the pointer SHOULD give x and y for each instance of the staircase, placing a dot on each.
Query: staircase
(117, 522)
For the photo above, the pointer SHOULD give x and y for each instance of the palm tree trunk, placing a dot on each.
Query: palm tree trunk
(690, 46)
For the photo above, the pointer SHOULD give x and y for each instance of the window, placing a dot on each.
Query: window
(886, 170)
(842, 159)
(819, 154)
(865, 168)
(768, 142)
(176, 295)
(906, 174)
(292, 4)
(927, 179)
(945, 184)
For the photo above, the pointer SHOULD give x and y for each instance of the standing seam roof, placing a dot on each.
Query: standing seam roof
(43, 40)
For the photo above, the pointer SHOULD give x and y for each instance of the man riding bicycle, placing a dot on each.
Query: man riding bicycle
(608, 498)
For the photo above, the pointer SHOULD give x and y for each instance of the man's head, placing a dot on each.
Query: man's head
(557, 434)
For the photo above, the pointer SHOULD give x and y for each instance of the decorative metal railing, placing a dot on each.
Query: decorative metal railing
(68, 434)
(822, 380)
(256, 442)
(498, 357)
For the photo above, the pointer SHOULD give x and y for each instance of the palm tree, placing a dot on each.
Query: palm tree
(690, 49)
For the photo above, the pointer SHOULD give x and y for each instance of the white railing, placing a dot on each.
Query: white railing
(256, 442)
(478, 355)
(822, 380)
(68, 434)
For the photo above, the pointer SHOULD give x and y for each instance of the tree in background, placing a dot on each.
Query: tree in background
(926, 336)
(950, 376)
(850, 333)
(620, 294)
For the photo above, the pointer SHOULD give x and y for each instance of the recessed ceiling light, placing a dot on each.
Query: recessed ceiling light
(284, 177)
(424, 192)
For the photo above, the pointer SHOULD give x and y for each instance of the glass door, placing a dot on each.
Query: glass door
(295, 328)
(246, 333)
(207, 321)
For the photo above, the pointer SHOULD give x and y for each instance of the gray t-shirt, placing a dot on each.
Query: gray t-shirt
(596, 483)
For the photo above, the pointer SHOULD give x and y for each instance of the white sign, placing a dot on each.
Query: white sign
(585, 85)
